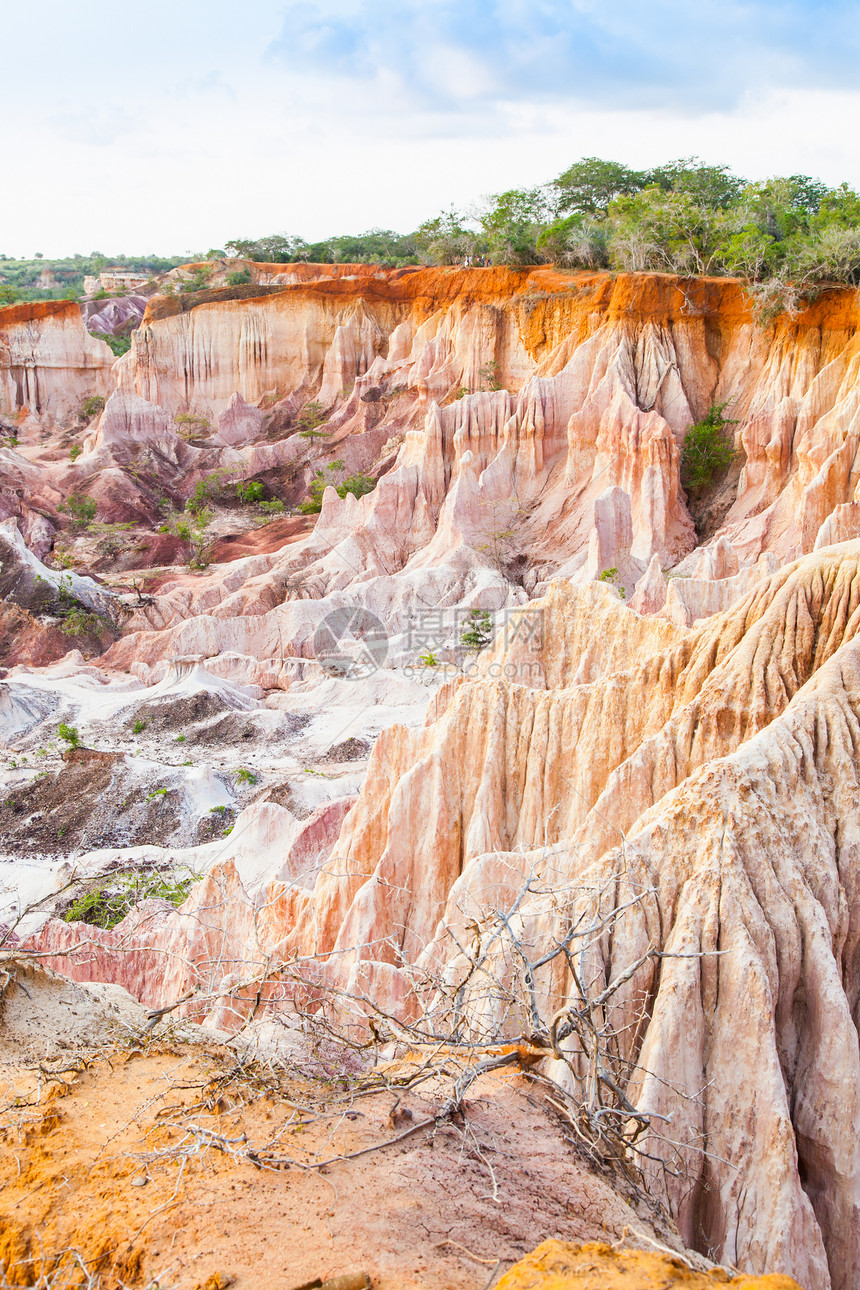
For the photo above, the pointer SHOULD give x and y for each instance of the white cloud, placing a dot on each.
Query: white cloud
(210, 139)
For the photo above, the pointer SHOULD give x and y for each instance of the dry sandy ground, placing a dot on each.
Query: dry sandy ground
(163, 1162)
(124, 1161)
(171, 1163)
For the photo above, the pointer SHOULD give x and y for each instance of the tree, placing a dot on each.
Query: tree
(708, 450)
(668, 231)
(710, 186)
(446, 239)
(476, 632)
(577, 242)
(591, 184)
(512, 223)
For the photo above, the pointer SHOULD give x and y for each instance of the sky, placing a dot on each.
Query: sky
(174, 126)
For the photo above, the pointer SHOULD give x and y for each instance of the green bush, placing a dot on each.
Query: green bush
(119, 344)
(250, 492)
(310, 419)
(613, 578)
(108, 902)
(81, 510)
(239, 278)
(75, 452)
(192, 426)
(357, 484)
(708, 450)
(477, 631)
(92, 406)
(69, 735)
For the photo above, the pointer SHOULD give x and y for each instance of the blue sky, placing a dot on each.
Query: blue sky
(172, 127)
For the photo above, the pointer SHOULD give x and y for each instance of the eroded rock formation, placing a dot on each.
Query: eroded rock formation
(665, 723)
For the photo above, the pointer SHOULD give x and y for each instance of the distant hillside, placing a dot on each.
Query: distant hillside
(63, 279)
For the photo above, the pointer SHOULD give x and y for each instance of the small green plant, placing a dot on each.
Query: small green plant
(199, 279)
(708, 450)
(119, 344)
(180, 739)
(245, 776)
(357, 484)
(69, 735)
(78, 621)
(91, 407)
(206, 490)
(192, 426)
(429, 659)
(81, 510)
(613, 579)
(491, 376)
(107, 902)
(156, 793)
(250, 492)
(112, 539)
(201, 546)
(138, 726)
(310, 419)
(217, 810)
(194, 529)
(75, 452)
(239, 278)
(477, 631)
(63, 557)
(273, 507)
(41, 753)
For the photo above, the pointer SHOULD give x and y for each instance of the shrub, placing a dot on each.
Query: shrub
(708, 450)
(192, 426)
(477, 631)
(92, 406)
(613, 578)
(273, 507)
(81, 510)
(491, 376)
(106, 903)
(309, 419)
(112, 539)
(75, 452)
(138, 726)
(77, 621)
(199, 280)
(245, 776)
(119, 344)
(239, 278)
(250, 492)
(69, 735)
(358, 485)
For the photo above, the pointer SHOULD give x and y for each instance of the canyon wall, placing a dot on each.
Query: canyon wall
(49, 363)
(676, 733)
